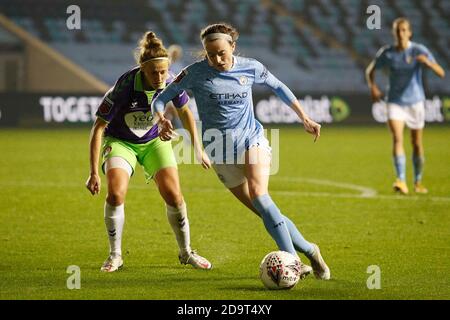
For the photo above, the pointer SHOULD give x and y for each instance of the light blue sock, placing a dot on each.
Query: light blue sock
(274, 222)
(418, 162)
(299, 242)
(400, 166)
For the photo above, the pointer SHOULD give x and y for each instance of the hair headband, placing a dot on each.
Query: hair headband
(215, 36)
(155, 59)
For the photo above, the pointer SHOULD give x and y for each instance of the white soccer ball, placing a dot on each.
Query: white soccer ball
(279, 270)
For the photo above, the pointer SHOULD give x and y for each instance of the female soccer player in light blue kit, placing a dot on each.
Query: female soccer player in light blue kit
(405, 100)
(222, 86)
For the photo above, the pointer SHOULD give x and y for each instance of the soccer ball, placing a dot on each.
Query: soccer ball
(279, 270)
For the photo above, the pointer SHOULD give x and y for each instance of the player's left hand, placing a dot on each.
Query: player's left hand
(312, 127)
(423, 59)
(165, 128)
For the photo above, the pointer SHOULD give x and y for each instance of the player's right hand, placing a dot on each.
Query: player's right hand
(312, 127)
(93, 184)
(376, 94)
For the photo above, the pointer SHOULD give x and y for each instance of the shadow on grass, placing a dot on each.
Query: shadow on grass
(146, 268)
(310, 288)
(197, 277)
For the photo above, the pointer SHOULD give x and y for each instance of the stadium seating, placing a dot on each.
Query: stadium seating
(327, 51)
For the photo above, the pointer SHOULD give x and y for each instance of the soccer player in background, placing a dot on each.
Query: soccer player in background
(130, 136)
(222, 86)
(405, 61)
(175, 52)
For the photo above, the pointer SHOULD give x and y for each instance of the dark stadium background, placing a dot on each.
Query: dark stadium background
(318, 48)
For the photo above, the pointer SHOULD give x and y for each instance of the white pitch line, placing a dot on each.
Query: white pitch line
(358, 196)
(366, 193)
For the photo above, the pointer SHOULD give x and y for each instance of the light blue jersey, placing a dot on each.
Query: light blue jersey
(224, 98)
(405, 73)
(225, 105)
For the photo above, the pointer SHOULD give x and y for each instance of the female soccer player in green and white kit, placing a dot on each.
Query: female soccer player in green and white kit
(222, 86)
(130, 136)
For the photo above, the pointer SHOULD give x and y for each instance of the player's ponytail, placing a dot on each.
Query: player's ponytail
(150, 47)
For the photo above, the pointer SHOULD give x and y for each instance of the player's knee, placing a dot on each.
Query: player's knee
(398, 140)
(416, 144)
(116, 197)
(173, 198)
(256, 190)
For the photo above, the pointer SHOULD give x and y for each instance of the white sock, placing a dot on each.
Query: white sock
(180, 225)
(114, 221)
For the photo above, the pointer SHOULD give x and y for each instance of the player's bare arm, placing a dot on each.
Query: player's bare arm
(437, 69)
(311, 126)
(375, 92)
(187, 118)
(93, 183)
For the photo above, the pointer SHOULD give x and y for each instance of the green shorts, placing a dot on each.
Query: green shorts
(152, 156)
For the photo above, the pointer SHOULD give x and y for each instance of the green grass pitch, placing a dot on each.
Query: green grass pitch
(49, 221)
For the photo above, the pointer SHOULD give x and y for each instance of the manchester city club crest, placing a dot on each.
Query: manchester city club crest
(243, 80)
(409, 59)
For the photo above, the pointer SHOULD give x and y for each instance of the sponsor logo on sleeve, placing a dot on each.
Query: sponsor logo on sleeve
(264, 74)
(105, 108)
